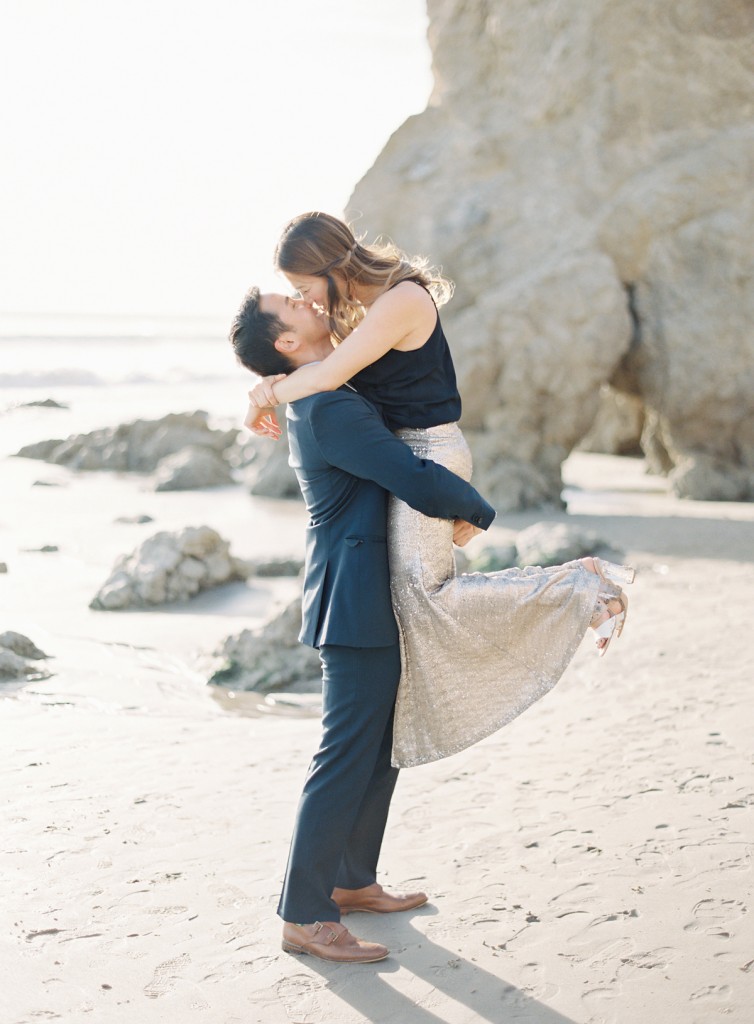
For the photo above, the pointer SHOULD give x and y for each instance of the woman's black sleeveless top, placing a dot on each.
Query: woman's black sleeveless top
(416, 388)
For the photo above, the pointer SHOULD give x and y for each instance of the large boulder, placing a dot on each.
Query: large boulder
(170, 567)
(583, 173)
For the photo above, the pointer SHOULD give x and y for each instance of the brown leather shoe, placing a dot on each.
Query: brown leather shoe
(373, 899)
(329, 940)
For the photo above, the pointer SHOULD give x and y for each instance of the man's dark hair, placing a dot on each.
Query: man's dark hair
(253, 335)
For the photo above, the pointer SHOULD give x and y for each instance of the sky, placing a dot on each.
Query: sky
(154, 149)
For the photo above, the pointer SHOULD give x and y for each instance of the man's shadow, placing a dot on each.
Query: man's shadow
(489, 997)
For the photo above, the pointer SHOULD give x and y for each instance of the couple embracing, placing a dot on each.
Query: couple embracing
(417, 662)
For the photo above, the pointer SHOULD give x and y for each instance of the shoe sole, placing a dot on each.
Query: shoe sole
(367, 910)
(290, 947)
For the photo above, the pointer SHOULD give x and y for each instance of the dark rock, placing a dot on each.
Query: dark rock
(192, 468)
(16, 654)
(13, 666)
(45, 403)
(21, 645)
(267, 471)
(556, 543)
(270, 658)
(40, 450)
(493, 558)
(277, 567)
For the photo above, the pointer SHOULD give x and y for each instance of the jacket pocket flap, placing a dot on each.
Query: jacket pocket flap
(354, 541)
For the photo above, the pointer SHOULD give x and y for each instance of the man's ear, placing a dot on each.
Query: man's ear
(286, 343)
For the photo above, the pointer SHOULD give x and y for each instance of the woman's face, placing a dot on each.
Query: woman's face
(312, 290)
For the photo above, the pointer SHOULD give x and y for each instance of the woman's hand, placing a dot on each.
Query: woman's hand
(262, 421)
(263, 394)
(463, 532)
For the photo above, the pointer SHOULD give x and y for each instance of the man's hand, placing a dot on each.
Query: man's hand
(263, 394)
(262, 422)
(463, 532)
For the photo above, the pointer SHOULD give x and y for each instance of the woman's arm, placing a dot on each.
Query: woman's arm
(392, 317)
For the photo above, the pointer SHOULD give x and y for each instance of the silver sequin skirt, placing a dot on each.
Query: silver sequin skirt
(476, 649)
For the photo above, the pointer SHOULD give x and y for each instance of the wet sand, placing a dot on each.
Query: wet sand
(591, 863)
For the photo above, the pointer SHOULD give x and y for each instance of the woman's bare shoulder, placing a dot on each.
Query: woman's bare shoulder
(408, 309)
(406, 296)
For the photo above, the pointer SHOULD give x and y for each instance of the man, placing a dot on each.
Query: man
(346, 462)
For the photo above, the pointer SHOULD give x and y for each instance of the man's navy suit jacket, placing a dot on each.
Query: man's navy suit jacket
(347, 461)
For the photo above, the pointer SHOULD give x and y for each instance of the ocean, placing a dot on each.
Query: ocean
(44, 352)
(109, 370)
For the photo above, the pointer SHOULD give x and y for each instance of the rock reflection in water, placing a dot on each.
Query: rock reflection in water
(250, 704)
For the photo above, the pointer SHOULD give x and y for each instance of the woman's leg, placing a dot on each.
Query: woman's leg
(479, 648)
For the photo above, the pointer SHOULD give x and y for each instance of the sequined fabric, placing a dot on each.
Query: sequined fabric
(476, 649)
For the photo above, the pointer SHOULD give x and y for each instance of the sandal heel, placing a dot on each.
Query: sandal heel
(605, 631)
(612, 627)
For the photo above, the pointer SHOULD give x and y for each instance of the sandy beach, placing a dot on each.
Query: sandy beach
(589, 864)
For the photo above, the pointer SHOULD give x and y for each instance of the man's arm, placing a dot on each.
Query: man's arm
(351, 436)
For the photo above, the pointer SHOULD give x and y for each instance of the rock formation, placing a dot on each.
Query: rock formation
(183, 451)
(556, 543)
(618, 426)
(270, 658)
(133, 447)
(584, 172)
(169, 567)
(265, 465)
(191, 468)
(19, 658)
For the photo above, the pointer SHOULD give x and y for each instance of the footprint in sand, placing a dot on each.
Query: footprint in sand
(166, 975)
(711, 994)
(598, 997)
(298, 994)
(574, 900)
(230, 896)
(713, 916)
(650, 959)
(532, 981)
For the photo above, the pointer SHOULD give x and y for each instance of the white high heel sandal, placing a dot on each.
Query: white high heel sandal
(611, 574)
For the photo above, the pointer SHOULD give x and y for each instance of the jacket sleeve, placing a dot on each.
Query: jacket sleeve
(351, 436)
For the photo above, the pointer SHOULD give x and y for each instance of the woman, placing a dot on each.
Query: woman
(476, 649)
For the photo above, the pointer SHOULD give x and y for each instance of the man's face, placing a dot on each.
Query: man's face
(308, 324)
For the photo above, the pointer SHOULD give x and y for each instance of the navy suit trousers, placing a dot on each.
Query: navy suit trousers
(344, 806)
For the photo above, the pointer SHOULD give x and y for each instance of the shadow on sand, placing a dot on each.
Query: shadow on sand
(447, 981)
